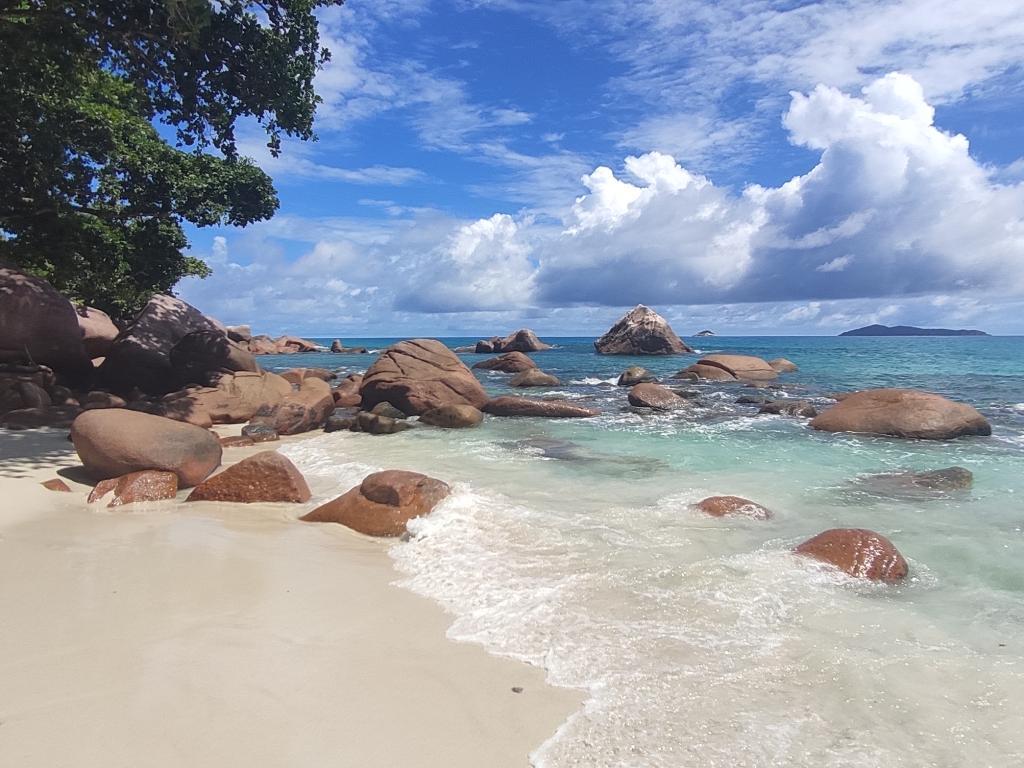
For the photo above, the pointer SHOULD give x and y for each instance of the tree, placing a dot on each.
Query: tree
(92, 197)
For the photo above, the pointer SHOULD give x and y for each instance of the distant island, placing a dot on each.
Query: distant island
(705, 333)
(909, 330)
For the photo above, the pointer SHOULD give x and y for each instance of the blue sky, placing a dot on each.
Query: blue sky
(748, 166)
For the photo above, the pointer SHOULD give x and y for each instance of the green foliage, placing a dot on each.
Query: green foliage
(92, 197)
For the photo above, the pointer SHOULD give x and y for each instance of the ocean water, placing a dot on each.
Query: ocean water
(704, 642)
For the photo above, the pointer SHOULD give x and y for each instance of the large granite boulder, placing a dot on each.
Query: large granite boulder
(510, 362)
(731, 367)
(641, 331)
(903, 413)
(383, 503)
(419, 375)
(733, 506)
(264, 477)
(523, 340)
(300, 411)
(98, 331)
(453, 417)
(199, 353)
(39, 325)
(655, 396)
(521, 406)
(141, 356)
(234, 399)
(858, 552)
(114, 441)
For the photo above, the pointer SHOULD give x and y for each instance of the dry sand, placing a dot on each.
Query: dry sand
(230, 635)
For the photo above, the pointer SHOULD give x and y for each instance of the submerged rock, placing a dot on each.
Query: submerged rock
(377, 424)
(858, 552)
(641, 331)
(384, 503)
(453, 417)
(521, 406)
(655, 396)
(510, 362)
(918, 485)
(420, 375)
(636, 375)
(906, 413)
(534, 377)
(789, 408)
(721, 506)
(264, 477)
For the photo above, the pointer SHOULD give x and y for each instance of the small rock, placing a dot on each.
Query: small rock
(721, 506)
(789, 408)
(56, 484)
(264, 477)
(236, 441)
(376, 424)
(636, 375)
(260, 433)
(858, 552)
(654, 396)
(453, 417)
(534, 377)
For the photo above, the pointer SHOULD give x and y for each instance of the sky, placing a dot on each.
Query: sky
(747, 166)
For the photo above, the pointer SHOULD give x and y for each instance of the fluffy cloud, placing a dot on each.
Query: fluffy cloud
(894, 207)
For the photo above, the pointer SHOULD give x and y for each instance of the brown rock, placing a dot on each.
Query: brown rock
(240, 333)
(420, 375)
(56, 484)
(521, 406)
(98, 399)
(698, 371)
(523, 340)
(378, 424)
(300, 411)
(383, 503)
(636, 375)
(264, 477)
(141, 355)
(782, 365)
(234, 400)
(789, 408)
(745, 367)
(199, 353)
(262, 345)
(534, 377)
(655, 396)
(641, 331)
(290, 345)
(720, 506)
(858, 552)
(98, 331)
(453, 417)
(101, 489)
(510, 362)
(116, 441)
(236, 441)
(297, 375)
(337, 346)
(346, 395)
(135, 487)
(32, 395)
(39, 325)
(903, 413)
(260, 433)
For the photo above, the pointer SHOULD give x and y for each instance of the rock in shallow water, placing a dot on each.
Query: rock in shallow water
(510, 362)
(636, 375)
(905, 413)
(858, 552)
(521, 406)
(655, 396)
(534, 377)
(453, 417)
(383, 503)
(721, 506)
(641, 331)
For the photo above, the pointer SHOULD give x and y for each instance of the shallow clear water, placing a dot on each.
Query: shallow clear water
(572, 545)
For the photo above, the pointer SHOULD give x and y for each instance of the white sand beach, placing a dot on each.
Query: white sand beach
(223, 635)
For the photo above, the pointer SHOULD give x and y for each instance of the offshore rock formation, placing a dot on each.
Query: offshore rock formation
(641, 331)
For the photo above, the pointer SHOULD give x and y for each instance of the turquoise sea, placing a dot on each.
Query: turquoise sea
(572, 545)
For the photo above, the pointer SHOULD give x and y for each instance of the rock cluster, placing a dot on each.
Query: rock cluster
(730, 368)
(641, 331)
(523, 340)
(282, 345)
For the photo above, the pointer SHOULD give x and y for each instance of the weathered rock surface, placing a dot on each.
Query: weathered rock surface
(98, 331)
(135, 487)
(742, 367)
(240, 333)
(655, 396)
(782, 365)
(721, 506)
(636, 375)
(453, 417)
(116, 441)
(510, 362)
(384, 503)
(300, 411)
(260, 433)
(199, 353)
(283, 345)
(858, 552)
(523, 340)
(699, 371)
(419, 375)
(346, 394)
(141, 355)
(521, 406)
(235, 399)
(534, 377)
(387, 409)
(264, 477)
(236, 441)
(641, 331)
(39, 325)
(905, 413)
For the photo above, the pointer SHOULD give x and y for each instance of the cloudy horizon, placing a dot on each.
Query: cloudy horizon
(752, 168)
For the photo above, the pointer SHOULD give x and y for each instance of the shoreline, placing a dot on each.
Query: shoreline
(220, 633)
